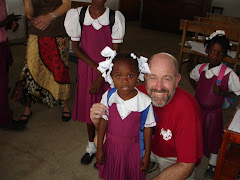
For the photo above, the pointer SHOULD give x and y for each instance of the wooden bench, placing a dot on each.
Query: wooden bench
(225, 23)
(224, 18)
(206, 29)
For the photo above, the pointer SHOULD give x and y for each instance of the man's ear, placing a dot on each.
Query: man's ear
(178, 79)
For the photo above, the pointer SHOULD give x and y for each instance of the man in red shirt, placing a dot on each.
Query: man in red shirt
(177, 142)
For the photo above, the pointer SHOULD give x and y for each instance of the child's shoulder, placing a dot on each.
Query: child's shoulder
(143, 96)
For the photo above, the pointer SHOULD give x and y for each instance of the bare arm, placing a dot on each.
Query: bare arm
(28, 8)
(42, 22)
(84, 57)
(147, 141)
(177, 171)
(218, 91)
(61, 10)
(116, 47)
(101, 132)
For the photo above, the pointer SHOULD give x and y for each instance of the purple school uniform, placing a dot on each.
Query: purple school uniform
(122, 148)
(211, 106)
(92, 43)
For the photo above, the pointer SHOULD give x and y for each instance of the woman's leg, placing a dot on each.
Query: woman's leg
(66, 115)
(27, 113)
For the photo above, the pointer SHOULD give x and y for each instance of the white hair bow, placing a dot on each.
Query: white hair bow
(107, 64)
(142, 65)
(105, 67)
(216, 33)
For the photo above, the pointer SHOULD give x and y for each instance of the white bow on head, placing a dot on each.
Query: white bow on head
(143, 67)
(105, 67)
(107, 64)
(216, 33)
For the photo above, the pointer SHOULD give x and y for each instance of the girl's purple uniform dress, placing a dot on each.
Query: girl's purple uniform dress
(122, 148)
(211, 106)
(92, 43)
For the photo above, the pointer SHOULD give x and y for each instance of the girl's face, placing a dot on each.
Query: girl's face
(125, 77)
(215, 54)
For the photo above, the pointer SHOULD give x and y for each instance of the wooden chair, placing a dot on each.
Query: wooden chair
(228, 163)
(219, 22)
(224, 18)
(206, 29)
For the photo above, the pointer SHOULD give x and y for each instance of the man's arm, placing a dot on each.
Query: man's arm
(177, 171)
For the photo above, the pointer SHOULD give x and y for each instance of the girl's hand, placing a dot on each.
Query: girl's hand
(216, 90)
(144, 164)
(11, 21)
(42, 22)
(94, 89)
(15, 26)
(100, 156)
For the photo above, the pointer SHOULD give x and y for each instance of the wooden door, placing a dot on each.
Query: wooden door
(130, 9)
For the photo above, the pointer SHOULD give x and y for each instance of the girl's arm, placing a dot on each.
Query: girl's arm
(116, 47)
(84, 57)
(94, 89)
(148, 141)
(101, 132)
(218, 91)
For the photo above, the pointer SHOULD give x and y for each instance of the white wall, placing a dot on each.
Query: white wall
(17, 7)
(231, 7)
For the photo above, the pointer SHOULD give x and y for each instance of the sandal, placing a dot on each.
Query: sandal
(16, 125)
(66, 118)
(25, 121)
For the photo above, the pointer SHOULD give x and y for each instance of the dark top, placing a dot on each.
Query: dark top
(56, 28)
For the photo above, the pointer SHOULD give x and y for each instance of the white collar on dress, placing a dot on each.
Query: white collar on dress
(102, 20)
(137, 104)
(209, 73)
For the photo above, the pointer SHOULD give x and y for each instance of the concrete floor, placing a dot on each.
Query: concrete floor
(50, 149)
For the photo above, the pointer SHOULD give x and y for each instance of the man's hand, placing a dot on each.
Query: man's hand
(96, 112)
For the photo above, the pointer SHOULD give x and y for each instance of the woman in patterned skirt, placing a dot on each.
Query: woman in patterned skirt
(45, 75)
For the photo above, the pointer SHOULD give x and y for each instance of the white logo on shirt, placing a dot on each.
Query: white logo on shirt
(166, 134)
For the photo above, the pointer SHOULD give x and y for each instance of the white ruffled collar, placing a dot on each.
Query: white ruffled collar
(102, 20)
(209, 73)
(136, 104)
